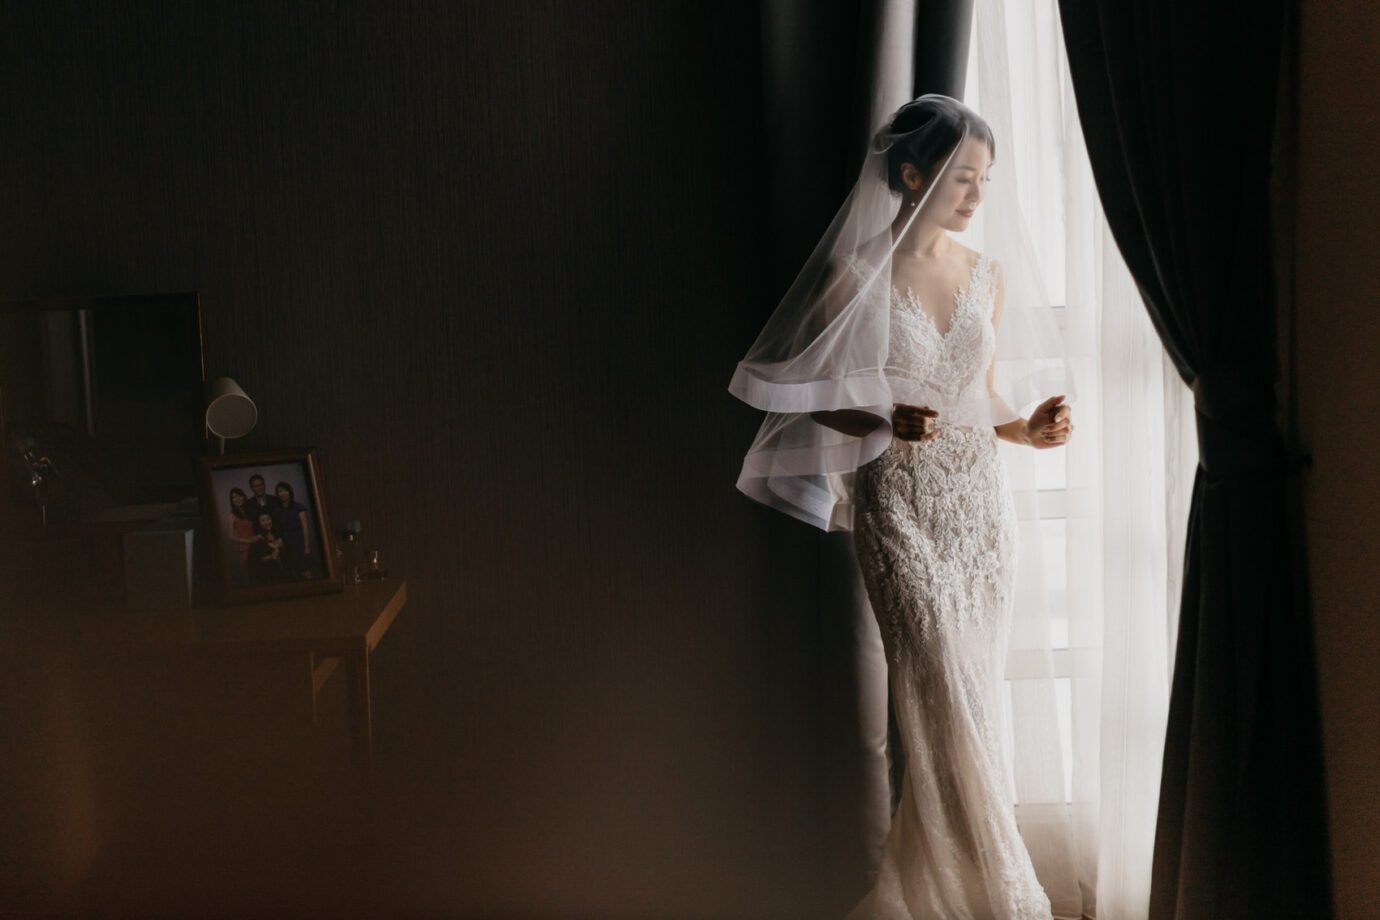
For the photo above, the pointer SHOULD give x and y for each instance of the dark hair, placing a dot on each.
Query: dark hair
(292, 496)
(928, 128)
(238, 512)
(254, 477)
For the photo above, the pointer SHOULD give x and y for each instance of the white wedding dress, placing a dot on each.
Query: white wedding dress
(935, 535)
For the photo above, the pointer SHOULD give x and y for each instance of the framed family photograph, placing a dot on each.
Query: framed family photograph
(267, 524)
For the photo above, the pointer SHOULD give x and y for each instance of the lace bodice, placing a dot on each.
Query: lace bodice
(952, 363)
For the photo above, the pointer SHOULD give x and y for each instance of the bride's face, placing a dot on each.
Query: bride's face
(959, 190)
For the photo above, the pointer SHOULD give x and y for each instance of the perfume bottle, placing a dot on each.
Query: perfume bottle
(371, 569)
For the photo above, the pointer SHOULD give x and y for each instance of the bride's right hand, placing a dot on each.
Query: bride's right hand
(914, 423)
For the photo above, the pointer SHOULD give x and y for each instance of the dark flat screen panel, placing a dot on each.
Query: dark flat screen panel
(110, 390)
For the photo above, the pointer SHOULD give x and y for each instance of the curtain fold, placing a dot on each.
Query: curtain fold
(1178, 105)
(943, 34)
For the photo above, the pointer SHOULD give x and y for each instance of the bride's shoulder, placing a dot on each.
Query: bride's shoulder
(866, 257)
(981, 264)
(850, 263)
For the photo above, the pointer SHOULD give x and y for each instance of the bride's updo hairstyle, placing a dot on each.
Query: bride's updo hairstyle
(923, 132)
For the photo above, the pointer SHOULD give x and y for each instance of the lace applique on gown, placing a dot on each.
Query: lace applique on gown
(936, 538)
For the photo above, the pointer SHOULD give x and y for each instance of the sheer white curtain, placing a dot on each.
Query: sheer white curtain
(1091, 641)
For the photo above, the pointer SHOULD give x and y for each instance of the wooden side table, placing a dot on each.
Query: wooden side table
(144, 752)
(331, 629)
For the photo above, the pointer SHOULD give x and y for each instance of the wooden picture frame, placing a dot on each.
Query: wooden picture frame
(274, 540)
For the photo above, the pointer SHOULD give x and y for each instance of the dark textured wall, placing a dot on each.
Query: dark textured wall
(496, 261)
(1337, 289)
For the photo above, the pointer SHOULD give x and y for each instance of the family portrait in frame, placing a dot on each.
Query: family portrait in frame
(265, 517)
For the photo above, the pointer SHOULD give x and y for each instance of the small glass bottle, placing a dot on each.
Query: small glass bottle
(372, 569)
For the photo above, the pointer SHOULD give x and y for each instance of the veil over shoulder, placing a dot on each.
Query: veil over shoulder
(825, 347)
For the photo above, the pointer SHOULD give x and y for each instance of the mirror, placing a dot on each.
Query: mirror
(101, 405)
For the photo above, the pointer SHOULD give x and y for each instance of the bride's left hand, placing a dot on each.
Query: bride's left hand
(1050, 425)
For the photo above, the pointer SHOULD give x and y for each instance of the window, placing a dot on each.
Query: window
(1088, 668)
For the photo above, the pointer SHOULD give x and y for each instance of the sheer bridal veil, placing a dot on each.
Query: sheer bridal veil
(825, 347)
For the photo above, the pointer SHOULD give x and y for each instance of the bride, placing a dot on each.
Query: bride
(880, 375)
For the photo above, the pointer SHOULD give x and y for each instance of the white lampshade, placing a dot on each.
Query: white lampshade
(230, 413)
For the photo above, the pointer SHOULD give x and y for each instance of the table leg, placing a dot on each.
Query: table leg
(313, 687)
(321, 670)
(361, 713)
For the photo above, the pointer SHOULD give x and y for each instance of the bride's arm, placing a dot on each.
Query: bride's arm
(909, 423)
(1051, 424)
(1015, 430)
(853, 422)
(856, 423)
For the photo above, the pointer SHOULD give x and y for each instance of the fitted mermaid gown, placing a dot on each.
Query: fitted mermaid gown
(935, 535)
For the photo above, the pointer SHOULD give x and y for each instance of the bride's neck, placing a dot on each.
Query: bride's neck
(921, 240)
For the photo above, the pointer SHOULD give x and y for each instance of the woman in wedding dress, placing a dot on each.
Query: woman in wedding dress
(916, 468)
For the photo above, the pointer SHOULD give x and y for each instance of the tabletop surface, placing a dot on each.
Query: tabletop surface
(357, 616)
(351, 620)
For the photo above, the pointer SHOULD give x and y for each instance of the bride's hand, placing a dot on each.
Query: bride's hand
(914, 423)
(1050, 425)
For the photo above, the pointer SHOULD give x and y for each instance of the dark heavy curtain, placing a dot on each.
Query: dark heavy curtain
(1179, 102)
(819, 60)
(943, 31)
(819, 67)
